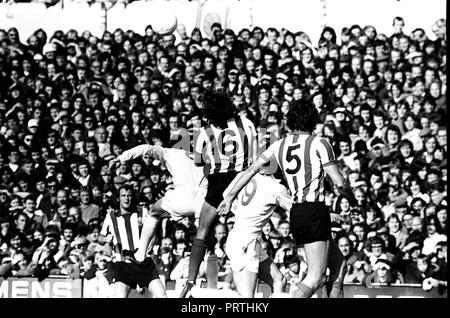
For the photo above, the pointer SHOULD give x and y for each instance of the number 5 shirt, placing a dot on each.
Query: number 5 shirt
(301, 157)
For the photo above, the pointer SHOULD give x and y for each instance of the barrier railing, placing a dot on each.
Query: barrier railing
(64, 287)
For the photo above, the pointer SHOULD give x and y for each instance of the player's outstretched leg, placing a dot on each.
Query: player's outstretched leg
(207, 217)
(317, 259)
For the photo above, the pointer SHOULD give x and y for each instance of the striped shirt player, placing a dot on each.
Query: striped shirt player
(228, 144)
(231, 149)
(304, 159)
(301, 157)
(124, 226)
(227, 151)
(125, 230)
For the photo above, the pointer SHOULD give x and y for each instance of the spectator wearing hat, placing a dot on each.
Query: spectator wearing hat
(383, 273)
(118, 181)
(14, 159)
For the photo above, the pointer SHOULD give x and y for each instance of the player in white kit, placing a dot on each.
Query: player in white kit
(253, 207)
(185, 199)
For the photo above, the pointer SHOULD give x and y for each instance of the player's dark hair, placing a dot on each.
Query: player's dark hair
(218, 108)
(302, 116)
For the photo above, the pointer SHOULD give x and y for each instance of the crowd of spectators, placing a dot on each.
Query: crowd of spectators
(71, 102)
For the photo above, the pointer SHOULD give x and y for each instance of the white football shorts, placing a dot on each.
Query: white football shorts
(180, 203)
(244, 253)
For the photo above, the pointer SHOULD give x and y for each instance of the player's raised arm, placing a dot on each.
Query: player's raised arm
(225, 206)
(155, 152)
(135, 152)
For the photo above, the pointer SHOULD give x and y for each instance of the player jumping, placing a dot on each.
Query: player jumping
(185, 199)
(228, 144)
(304, 159)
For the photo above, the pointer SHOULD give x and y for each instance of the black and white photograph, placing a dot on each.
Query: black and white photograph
(224, 150)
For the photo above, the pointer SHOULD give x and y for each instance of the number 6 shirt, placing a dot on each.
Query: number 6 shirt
(301, 157)
(233, 148)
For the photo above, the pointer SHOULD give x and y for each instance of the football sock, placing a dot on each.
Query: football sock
(197, 254)
(303, 291)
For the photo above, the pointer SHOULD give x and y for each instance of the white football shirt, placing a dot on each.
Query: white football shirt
(256, 201)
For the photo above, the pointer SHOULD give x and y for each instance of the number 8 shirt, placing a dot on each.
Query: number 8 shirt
(301, 157)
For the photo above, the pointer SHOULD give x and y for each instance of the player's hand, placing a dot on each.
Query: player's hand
(224, 207)
(114, 164)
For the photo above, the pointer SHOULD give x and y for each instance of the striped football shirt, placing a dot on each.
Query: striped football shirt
(125, 229)
(231, 149)
(301, 157)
